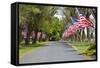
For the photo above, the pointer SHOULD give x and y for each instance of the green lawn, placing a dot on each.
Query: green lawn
(87, 48)
(25, 49)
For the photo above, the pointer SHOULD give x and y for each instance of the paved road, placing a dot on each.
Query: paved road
(54, 51)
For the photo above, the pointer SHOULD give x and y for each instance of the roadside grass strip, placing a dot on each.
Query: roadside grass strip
(25, 49)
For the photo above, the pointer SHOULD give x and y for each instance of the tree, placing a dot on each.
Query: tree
(34, 16)
(70, 12)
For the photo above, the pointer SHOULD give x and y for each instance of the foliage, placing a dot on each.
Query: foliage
(36, 15)
(41, 19)
(88, 48)
(91, 50)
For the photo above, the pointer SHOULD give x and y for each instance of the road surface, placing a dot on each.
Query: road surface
(53, 52)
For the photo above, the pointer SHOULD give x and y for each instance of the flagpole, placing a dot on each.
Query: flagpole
(77, 11)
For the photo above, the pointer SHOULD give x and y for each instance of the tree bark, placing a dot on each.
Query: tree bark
(35, 38)
(40, 38)
(27, 39)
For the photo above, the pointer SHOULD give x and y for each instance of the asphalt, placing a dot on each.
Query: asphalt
(53, 52)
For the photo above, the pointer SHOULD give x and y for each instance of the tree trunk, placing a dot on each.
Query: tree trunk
(27, 39)
(81, 33)
(35, 39)
(40, 38)
(89, 33)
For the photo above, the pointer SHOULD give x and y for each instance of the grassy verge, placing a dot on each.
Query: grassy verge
(87, 48)
(25, 49)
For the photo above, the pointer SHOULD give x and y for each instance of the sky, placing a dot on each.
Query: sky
(60, 13)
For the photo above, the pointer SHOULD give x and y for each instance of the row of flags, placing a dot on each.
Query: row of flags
(78, 24)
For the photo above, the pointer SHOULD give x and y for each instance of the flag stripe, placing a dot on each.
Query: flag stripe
(83, 22)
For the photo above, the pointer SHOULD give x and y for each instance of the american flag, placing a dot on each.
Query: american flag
(77, 24)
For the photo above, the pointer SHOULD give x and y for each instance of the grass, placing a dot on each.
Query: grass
(25, 49)
(87, 48)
